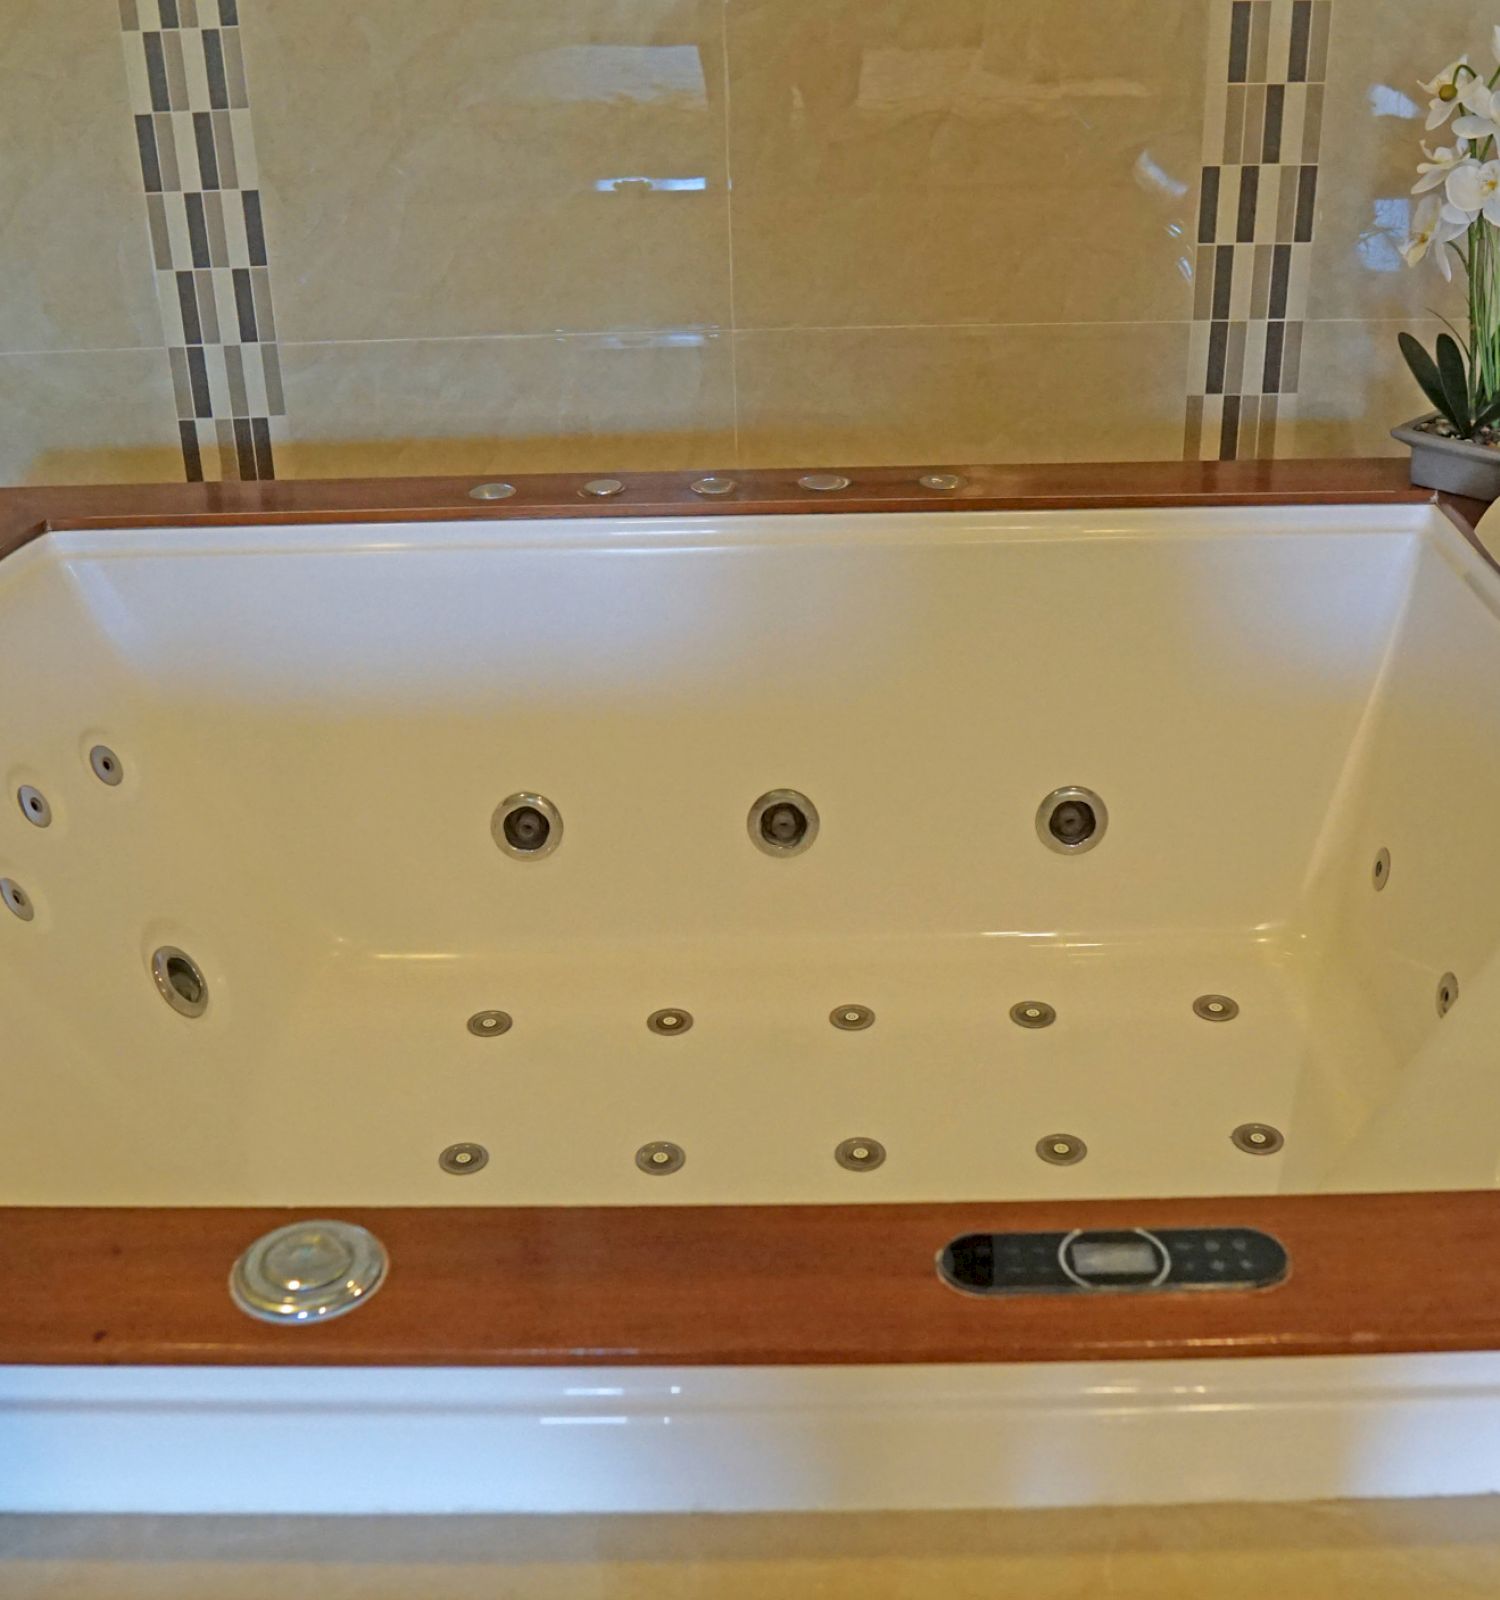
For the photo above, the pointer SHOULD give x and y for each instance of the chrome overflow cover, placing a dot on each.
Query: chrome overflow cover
(492, 491)
(943, 482)
(308, 1272)
(602, 488)
(823, 482)
(713, 486)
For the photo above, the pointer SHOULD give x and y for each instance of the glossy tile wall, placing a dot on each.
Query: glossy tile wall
(333, 237)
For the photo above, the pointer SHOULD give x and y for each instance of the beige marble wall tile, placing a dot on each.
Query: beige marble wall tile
(898, 162)
(897, 396)
(1373, 125)
(576, 404)
(1355, 388)
(75, 259)
(1375, 1550)
(96, 417)
(450, 168)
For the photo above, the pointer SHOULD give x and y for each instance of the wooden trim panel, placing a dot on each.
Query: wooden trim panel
(25, 514)
(744, 1285)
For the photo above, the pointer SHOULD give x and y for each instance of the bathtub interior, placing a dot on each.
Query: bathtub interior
(314, 726)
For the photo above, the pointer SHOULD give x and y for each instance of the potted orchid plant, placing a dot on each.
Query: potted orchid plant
(1457, 446)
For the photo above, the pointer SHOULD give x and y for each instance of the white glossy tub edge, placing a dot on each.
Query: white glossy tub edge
(447, 1440)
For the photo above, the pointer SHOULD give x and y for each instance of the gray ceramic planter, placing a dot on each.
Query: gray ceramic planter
(1452, 465)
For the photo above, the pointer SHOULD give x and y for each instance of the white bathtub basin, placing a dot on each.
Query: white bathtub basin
(1289, 720)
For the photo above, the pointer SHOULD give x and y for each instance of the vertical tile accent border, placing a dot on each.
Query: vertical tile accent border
(1268, 63)
(188, 95)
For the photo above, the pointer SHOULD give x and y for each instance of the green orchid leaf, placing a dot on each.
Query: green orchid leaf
(1424, 370)
(1463, 343)
(1455, 381)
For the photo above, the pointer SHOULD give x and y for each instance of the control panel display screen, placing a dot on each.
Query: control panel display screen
(1107, 1259)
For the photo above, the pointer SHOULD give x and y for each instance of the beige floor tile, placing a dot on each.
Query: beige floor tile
(1392, 1550)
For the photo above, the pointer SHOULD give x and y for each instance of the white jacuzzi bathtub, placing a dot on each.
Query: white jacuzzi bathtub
(289, 754)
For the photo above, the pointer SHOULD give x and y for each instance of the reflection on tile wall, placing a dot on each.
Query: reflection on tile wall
(615, 234)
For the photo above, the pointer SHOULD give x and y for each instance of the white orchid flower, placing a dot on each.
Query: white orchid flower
(1433, 172)
(1452, 224)
(1434, 226)
(1444, 90)
(1475, 190)
(1481, 105)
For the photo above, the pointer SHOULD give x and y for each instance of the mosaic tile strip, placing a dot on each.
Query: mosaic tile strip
(191, 105)
(1256, 214)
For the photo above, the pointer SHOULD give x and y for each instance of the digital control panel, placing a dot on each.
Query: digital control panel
(1090, 1260)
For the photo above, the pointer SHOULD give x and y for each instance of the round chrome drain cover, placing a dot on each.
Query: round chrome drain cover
(462, 1159)
(1447, 994)
(860, 1155)
(852, 1019)
(1062, 1149)
(492, 491)
(489, 1024)
(602, 488)
(823, 482)
(672, 1020)
(944, 482)
(1257, 1138)
(308, 1272)
(1032, 1014)
(34, 806)
(17, 901)
(1215, 1008)
(108, 768)
(714, 486)
(660, 1157)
